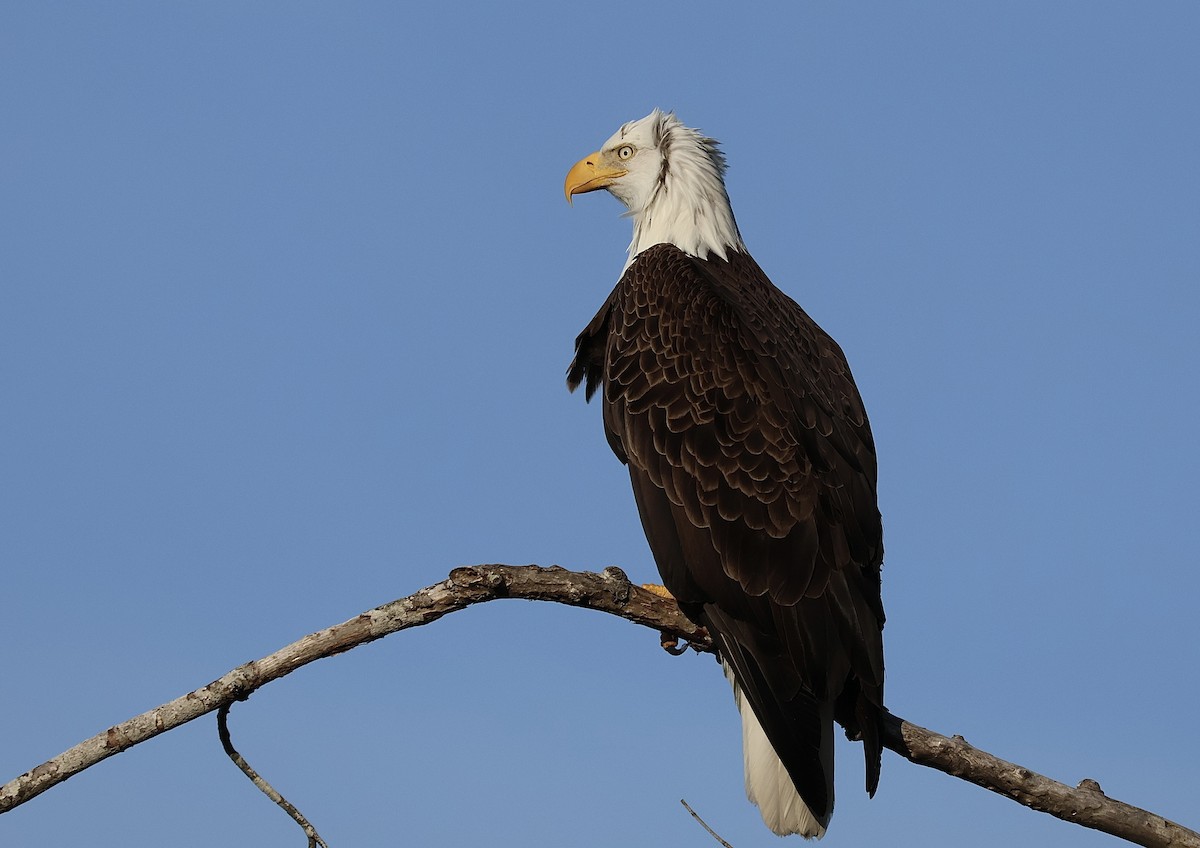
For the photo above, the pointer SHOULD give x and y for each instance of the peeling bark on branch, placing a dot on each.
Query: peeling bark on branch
(611, 592)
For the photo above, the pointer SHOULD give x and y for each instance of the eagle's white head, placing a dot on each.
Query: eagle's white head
(671, 179)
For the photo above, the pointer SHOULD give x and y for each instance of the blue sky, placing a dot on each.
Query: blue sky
(288, 292)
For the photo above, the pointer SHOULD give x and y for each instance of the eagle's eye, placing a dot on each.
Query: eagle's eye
(624, 152)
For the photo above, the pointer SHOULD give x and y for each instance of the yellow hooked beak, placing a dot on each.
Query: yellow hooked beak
(591, 173)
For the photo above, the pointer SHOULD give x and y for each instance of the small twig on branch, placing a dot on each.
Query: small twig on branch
(609, 592)
(703, 823)
(314, 838)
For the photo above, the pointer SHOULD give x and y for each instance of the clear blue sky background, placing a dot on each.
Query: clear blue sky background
(287, 292)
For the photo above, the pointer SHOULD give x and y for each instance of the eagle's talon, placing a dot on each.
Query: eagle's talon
(670, 644)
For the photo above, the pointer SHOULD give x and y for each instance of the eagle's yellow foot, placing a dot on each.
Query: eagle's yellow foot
(661, 591)
(670, 642)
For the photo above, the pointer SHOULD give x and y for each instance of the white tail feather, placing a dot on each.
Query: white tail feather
(768, 784)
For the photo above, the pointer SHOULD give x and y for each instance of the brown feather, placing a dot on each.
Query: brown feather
(754, 472)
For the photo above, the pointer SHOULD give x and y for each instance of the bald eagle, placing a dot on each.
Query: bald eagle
(752, 465)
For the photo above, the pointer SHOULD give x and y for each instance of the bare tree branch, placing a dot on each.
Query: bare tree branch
(609, 592)
(1085, 804)
(314, 838)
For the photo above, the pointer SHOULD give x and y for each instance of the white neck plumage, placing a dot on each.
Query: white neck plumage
(689, 206)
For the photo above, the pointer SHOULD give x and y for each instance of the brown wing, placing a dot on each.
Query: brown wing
(754, 471)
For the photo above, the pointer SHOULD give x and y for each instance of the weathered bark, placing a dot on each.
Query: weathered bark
(1085, 804)
(609, 592)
